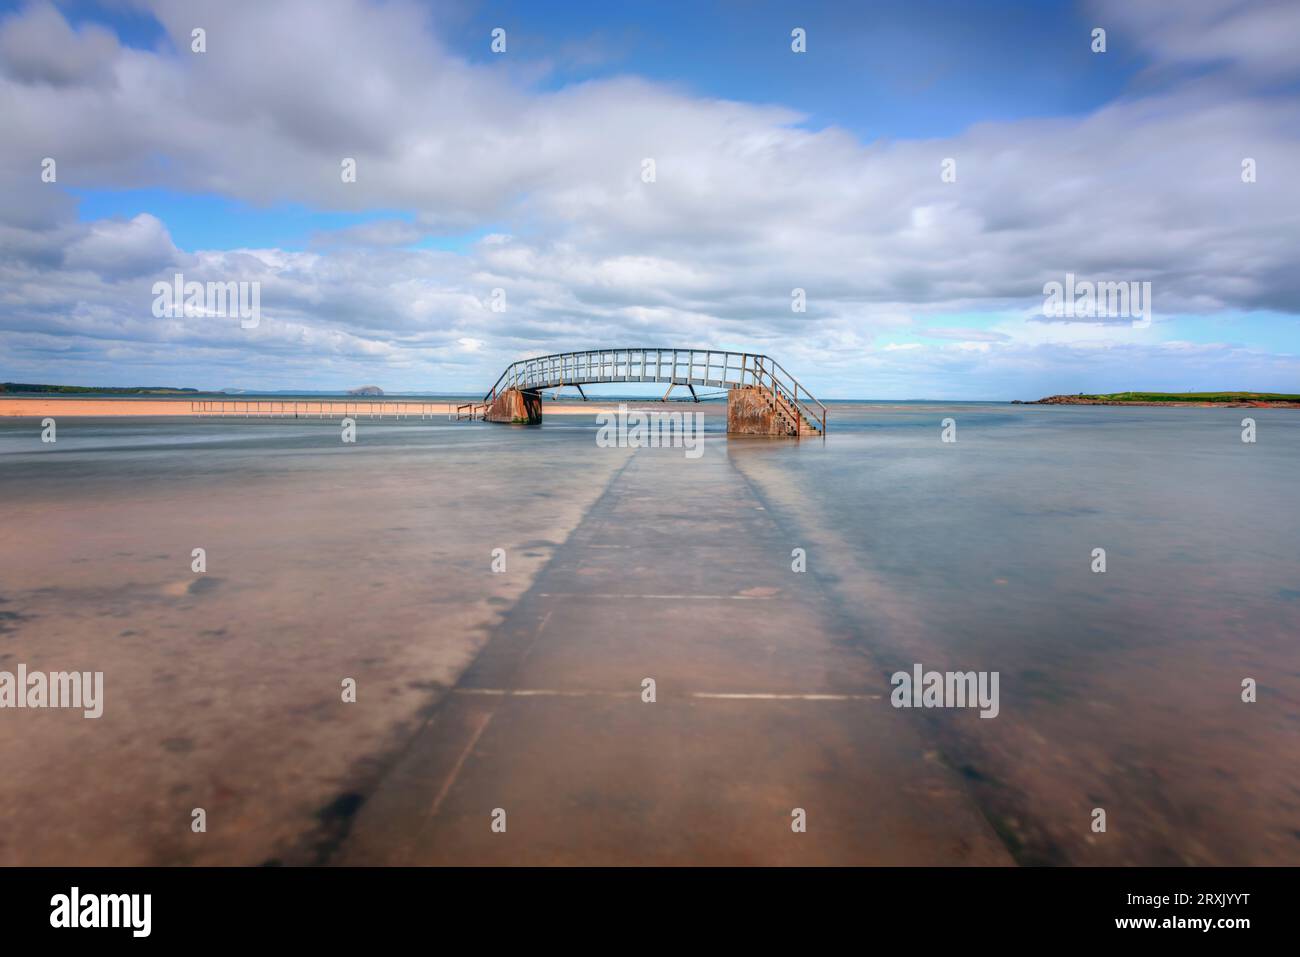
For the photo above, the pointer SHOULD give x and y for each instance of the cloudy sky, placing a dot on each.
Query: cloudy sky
(522, 171)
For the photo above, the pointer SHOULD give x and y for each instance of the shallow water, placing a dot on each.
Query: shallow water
(1119, 691)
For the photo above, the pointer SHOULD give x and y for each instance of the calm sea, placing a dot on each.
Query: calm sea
(1121, 689)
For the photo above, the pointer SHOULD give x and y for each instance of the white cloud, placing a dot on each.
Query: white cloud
(1255, 37)
(748, 203)
(40, 47)
(113, 249)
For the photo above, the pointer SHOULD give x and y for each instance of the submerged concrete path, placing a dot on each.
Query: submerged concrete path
(763, 705)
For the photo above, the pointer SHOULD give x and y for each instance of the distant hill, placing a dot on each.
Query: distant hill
(1211, 399)
(366, 390)
(39, 388)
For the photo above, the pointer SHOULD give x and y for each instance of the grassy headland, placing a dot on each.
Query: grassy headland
(1209, 399)
(32, 388)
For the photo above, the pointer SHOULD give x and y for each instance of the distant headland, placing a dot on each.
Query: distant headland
(42, 388)
(1216, 400)
(34, 388)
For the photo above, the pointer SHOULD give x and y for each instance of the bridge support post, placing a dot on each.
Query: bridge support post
(752, 410)
(519, 406)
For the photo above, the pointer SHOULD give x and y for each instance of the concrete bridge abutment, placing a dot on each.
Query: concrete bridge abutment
(518, 406)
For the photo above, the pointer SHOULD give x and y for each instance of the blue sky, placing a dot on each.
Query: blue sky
(521, 172)
(873, 73)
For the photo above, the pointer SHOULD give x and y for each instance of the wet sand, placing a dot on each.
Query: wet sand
(521, 690)
(222, 690)
(763, 705)
(38, 407)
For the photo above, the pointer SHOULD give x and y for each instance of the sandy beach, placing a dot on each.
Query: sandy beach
(40, 406)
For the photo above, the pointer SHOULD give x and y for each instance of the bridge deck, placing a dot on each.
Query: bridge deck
(708, 368)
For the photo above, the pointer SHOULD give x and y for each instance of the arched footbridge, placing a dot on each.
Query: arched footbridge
(762, 398)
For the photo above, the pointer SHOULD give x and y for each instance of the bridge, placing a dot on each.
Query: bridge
(762, 398)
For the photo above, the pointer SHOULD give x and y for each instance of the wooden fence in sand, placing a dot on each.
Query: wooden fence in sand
(318, 408)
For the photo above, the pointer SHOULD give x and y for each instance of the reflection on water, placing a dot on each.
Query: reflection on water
(1119, 690)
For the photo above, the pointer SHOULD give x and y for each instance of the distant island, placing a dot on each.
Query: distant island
(1224, 400)
(366, 390)
(29, 388)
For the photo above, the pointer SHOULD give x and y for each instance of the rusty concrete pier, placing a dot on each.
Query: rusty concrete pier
(519, 406)
(762, 398)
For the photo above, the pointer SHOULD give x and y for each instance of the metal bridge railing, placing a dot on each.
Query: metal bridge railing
(705, 367)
